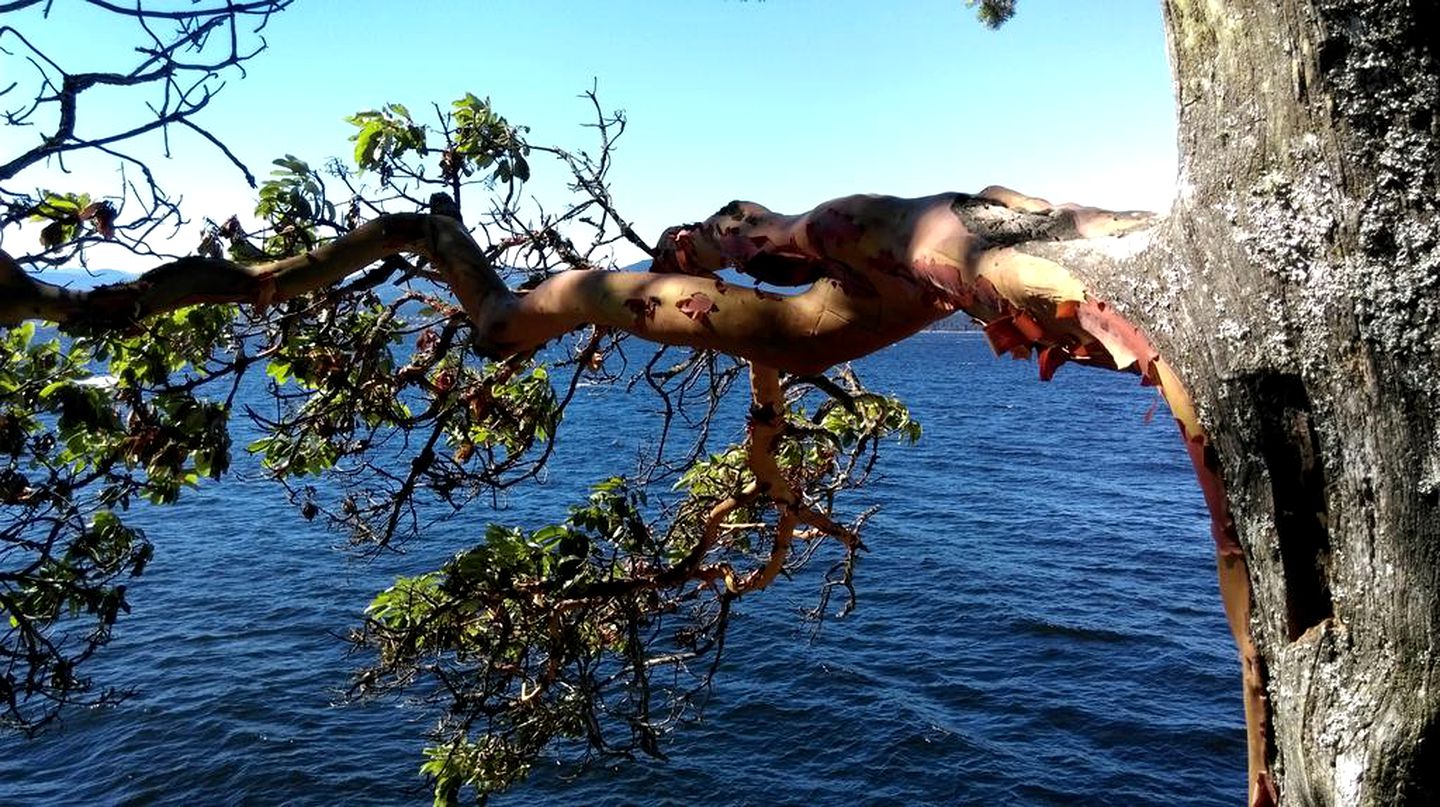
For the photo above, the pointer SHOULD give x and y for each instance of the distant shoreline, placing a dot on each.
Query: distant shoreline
(958, 322)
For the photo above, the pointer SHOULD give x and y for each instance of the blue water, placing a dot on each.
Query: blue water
(1038, 623)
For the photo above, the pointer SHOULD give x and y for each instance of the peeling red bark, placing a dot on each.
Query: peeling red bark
(1050, 360)
(698, 305)
(1004, 336)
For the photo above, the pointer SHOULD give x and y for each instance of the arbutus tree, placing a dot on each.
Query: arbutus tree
(1286, 308)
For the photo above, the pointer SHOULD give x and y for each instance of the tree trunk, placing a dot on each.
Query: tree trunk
(1296, 289)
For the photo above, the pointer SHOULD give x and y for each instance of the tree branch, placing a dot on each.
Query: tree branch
(880, 269)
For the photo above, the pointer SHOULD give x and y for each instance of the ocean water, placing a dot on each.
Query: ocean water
(1038, 624)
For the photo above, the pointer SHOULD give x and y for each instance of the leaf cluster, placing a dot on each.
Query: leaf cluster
(76, 450)
(579, 637)
(474, 139)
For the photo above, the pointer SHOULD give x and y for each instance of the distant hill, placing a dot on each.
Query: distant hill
(81, 279)
(958, 321)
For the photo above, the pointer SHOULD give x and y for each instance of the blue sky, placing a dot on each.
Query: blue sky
(784, 102)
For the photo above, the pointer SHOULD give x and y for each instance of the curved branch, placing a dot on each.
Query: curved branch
(262, 8)
(217, 143)
(208, 280)
(882, 268)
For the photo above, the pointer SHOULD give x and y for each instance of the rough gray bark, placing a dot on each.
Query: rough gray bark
(1296, 289)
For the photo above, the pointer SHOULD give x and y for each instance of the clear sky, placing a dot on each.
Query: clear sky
(784, 102)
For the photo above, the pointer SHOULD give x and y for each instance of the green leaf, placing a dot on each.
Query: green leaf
(365, 145)
(53, 387)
